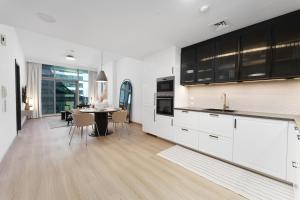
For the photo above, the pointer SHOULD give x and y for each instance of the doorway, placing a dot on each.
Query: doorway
(18, 96)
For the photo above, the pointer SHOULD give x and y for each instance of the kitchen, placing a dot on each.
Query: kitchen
(235, 98)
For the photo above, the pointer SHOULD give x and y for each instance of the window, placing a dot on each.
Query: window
(63, 88)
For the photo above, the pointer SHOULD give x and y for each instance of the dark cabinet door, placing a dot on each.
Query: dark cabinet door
(188, 65)
(226, 59)
(205, 62)
(286, 46)
(255, 52)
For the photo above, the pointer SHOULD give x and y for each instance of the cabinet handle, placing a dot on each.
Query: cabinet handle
(296, 128)
(154, 115)
(234, 123)
(184, 129)
(184, 111)
(214, 136)
(298, 136)
(171, 122)
(172, 70)
(213, 115)
(154, 98)
(294, 164)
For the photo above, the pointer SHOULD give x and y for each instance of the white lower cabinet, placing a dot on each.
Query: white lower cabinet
(261, 144)
(293, 158)
(216, 123)
(216, 145)
(186, 137)
(164, 127)
(148, 117)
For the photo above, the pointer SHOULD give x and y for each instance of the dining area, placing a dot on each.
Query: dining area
(98, 119)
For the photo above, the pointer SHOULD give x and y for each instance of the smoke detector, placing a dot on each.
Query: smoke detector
(220, 25)
(46, 18)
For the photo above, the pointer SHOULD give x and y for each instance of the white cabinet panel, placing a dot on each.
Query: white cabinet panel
(261, 144)
(217, 124)
(164, 127)
(148, 117)
(186, 137)
(215, 145)
(188, 119)
(293, 157)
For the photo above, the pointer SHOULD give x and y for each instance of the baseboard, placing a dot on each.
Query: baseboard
(137, 123)
(23, 121)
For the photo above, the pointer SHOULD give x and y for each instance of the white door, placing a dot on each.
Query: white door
(149, 115)
(148, 112)
(261, 144)
(164, 127)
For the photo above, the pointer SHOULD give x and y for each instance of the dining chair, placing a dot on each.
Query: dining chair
(72, 111)
(82, 120)
(119, 117)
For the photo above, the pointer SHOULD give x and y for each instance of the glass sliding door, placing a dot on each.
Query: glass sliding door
(63, 88)
(66, 95)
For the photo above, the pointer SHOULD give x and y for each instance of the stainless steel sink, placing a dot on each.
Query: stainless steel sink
(218, 110)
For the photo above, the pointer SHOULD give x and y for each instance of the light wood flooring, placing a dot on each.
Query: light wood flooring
(40, 165)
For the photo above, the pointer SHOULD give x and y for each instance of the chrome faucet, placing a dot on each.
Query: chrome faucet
(225, 106)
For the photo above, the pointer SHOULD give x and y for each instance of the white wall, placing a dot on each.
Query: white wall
(269, 96)
(8, 54)
(159, 65)
(128, 68)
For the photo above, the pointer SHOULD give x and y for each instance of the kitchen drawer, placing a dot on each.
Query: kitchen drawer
(216, 124)
(188, 119)
(293, 158)
(187, 137)
(216, 145)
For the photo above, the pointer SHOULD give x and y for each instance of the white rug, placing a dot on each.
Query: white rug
(240, 181)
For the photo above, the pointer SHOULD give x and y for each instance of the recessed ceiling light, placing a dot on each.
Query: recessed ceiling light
(46, 18)
(204, 8)
(70, 57)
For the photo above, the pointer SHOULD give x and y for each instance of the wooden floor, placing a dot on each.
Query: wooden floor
(41, 165)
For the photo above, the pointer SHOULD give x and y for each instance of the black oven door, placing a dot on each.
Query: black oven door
(165, 86)
(165, 106)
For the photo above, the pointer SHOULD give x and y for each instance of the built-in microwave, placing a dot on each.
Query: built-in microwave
(165, 84)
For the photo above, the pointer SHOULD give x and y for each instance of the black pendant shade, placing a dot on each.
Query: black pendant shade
(101, 77)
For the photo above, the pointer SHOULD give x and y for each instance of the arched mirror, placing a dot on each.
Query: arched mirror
(126, 96)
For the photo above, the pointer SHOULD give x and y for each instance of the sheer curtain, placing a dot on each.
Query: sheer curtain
(93, 87)
(34, 82)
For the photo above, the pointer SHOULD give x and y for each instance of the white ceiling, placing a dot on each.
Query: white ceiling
(137, 28)
(49, 50)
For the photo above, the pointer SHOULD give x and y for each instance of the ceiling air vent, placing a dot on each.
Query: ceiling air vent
(221, 25)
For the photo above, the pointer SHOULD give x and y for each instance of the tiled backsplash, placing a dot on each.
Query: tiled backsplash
(280, 96)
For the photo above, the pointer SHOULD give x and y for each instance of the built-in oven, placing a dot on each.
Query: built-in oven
(165, 84)
(165, 105)
(165, 96)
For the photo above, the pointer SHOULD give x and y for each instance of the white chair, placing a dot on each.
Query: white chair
(80, 121)
(119, 117)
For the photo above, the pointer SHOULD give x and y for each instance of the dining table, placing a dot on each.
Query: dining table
(101, 120)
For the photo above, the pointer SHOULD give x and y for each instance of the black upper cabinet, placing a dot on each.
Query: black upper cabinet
(286, 46)
(255, 48)
(267, 50)
(226, 58)
(188, 65)
(205, 62)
